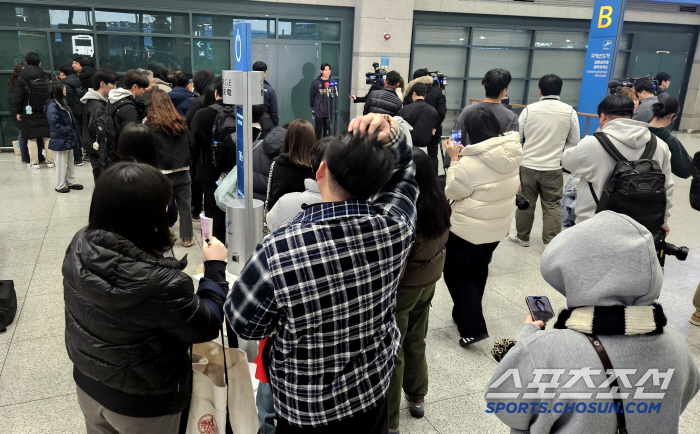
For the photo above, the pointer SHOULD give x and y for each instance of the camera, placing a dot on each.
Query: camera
(521, 202)
(439, 79)
(377, 77)
(664, 249)
(614, 85)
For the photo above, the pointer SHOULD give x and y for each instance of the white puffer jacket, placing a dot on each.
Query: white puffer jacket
(483, 184)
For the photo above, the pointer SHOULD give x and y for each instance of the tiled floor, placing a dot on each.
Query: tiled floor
(37, 392)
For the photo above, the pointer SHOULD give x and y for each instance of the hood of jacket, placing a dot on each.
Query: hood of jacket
(503, 154)
(159, 71)
(608, 260)
(72, 80)
(426, 79)
(180, 95)
(92, 94)
(32, 72)
(120, 274)
(312, 186)
(86, 72)
(202, 79)
(272, 144)
(634, 134)
(118, 94)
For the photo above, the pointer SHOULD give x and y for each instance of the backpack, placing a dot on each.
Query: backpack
(224, 126)
(635, 188)
(37, 95)
(106, 132)
(75, 105)
(8, 303)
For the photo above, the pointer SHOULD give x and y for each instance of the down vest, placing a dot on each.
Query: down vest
(130, 319)
(384, 101)
(483, 184)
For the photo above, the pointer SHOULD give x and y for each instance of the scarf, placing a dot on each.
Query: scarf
(612, 320)
(600, 320)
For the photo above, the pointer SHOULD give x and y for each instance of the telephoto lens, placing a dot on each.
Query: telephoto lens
(681, 253)
(521, 202)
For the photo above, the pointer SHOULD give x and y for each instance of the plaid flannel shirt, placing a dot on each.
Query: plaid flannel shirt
(327, 284)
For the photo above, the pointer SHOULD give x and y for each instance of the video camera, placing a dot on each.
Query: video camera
(439, 79)
(664, 249)
(614, 85)
(377, 77)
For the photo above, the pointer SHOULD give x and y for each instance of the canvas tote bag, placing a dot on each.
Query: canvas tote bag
(211, 397)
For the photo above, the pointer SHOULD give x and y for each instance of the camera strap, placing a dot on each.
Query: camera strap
(607, 365)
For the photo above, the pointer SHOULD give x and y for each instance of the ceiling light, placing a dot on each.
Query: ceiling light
(461, 39)
(482, 37)
(568, 40)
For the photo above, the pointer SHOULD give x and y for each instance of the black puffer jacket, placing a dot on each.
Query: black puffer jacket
(263, 155)
(34, 125)
(287, 177)
(695, 184)
(86, 77)
(384, 101)
(130, 319)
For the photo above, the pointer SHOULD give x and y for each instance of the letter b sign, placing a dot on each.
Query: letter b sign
(604, 19)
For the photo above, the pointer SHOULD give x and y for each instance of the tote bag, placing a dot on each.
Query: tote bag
(211, 397)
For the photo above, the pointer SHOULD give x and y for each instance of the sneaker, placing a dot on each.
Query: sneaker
(79, 164)
(63, 190)
(50, 163)
(416, 407)
(695, 318)
(195, 219)
(518, 241)
(75, 187)
(466, 342)
(187, 242)
(33, 166)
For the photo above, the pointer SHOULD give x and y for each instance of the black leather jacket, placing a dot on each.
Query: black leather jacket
(130, 319)
(384, 101)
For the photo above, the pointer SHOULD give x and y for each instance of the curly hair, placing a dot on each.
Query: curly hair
(163, 116)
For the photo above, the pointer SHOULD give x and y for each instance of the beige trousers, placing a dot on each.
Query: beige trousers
(34, 151)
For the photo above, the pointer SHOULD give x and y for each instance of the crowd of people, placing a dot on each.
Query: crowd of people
(360, 231)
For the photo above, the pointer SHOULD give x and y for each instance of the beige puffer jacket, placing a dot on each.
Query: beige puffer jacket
(483, 184)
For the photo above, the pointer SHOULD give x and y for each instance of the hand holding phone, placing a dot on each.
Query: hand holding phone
(540, 308)
(456, 138)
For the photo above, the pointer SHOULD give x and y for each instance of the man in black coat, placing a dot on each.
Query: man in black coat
(128, 107)
(85, 69)
(270, 96)
(321, 100)
(423, 118)
(434, 98)
(95, 102)
(385, 101)
(34, 125)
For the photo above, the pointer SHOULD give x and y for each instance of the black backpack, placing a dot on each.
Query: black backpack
(105, 132)
(635, 188)
(77, 107)
(37, 95)
(8, 303)
(224, 127)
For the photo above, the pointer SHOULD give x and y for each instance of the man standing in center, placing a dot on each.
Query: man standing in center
(270, 97)
(325, 286)
(546, 128)
(321, 101)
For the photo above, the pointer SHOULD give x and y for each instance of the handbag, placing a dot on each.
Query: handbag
(223, 400)
(607, 365)
(8, 303)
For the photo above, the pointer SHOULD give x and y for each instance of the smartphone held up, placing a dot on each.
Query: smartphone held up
(540, 308)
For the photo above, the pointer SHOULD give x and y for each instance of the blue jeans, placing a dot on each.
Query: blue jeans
(23, 149)
(266, 409)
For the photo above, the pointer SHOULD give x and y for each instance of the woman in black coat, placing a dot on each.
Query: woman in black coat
(131, 313)
(293, 165)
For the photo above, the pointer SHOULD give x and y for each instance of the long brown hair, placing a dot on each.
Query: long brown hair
(298, 141)
(15, 74)
(163, 116)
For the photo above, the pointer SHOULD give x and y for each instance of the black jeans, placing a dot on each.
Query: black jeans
(212, 210)
(323, 127)
(374, 421)
(466, 270)
(96, 166)
(197, 192)
(433, 147)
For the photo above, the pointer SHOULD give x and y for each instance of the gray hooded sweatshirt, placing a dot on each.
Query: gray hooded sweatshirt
(589, 160)
(608, 260)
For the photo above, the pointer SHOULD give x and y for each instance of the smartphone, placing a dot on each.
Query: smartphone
(456, 137)
(540, 308)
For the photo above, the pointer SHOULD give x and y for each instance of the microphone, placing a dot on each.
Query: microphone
(327, 85)
(613, 84)
(334, 87)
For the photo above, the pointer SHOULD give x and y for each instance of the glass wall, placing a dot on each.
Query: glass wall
(123, 39)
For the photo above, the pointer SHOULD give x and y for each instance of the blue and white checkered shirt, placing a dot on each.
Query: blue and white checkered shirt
(327, 284)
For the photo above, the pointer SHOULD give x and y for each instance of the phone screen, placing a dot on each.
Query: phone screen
(456, 137)
(540, 308)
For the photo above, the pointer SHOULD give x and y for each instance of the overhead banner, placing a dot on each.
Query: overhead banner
(601, 55)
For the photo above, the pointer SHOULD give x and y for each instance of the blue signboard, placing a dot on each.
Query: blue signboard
(384, 61)
(601, 55)
(242, 62)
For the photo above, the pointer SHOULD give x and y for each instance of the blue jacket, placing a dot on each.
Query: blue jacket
(64, 133)
(270, 100)
(181, 98)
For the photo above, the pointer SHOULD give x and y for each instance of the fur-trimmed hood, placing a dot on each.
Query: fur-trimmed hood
(426, 79)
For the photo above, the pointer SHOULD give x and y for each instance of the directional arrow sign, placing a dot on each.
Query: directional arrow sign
(199, 44)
